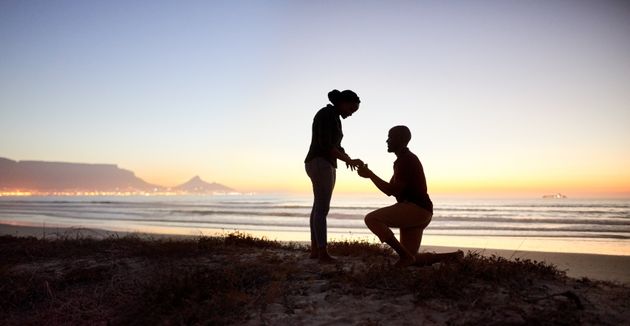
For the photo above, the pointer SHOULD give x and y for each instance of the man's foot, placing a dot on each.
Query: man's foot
(455, 256)
(406, 258)
(424, 259)
(405, 261)
(429, 258)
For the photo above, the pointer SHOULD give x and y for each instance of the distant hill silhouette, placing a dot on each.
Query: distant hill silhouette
(61, 176)
(196, 185)
(44, 176)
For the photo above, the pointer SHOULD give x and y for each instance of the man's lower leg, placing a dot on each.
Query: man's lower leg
(406, 258)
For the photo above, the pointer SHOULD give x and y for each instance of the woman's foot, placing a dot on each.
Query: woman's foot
(324, 257)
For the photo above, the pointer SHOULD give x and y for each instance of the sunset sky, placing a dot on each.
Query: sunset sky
(503, 98)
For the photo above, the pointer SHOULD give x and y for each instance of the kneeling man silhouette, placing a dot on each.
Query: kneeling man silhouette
(413, 210)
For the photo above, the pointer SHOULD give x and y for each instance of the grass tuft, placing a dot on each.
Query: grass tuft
(246, 240)
(358, 249)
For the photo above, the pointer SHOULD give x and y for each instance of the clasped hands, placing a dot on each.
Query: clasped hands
(361, 168)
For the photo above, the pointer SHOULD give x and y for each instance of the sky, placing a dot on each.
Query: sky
(503, 98)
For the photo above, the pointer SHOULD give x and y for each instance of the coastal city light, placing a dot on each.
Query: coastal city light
(16, 193)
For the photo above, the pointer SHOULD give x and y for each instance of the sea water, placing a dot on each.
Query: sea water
(561, 225)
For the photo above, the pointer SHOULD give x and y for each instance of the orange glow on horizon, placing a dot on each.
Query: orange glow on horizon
(499, 187)
(528, 181)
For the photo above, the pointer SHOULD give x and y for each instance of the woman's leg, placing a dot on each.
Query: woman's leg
(314, 253)
(322, 189)
(323, 176)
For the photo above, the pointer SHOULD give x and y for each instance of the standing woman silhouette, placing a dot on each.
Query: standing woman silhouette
(321, 163)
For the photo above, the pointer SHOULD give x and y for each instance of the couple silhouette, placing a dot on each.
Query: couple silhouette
(413, 209)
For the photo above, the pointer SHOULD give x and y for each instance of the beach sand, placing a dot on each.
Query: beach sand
(237, 279)
(599, 267)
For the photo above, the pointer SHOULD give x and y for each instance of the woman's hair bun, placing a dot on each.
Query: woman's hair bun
(335, 96)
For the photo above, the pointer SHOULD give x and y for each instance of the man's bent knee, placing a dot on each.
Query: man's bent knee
(369, 218)
(378, 227)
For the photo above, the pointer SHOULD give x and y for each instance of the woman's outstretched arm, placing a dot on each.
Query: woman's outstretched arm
(341, 155)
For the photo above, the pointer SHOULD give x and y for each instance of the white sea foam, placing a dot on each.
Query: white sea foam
(563, 218)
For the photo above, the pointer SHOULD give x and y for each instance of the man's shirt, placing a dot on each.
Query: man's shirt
(409, 182)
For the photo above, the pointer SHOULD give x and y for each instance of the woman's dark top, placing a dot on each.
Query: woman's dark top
(326, 135)
(409, 180)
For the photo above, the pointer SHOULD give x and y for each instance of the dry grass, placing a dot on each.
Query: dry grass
(358, 249)
(230, 279)
(132, 280)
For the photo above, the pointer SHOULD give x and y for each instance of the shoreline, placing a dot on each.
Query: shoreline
(601, 267)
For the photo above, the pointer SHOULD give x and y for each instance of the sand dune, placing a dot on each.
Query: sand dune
(237, 279)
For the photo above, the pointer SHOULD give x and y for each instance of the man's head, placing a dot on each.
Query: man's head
(398, 138)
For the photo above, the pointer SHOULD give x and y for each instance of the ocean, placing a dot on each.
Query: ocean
(560, 225)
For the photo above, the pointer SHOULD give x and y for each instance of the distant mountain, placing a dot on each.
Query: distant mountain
(196, 185)
(41, 176)
(60, 176)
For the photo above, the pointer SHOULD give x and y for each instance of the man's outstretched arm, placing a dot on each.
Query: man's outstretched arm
(384, 186)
